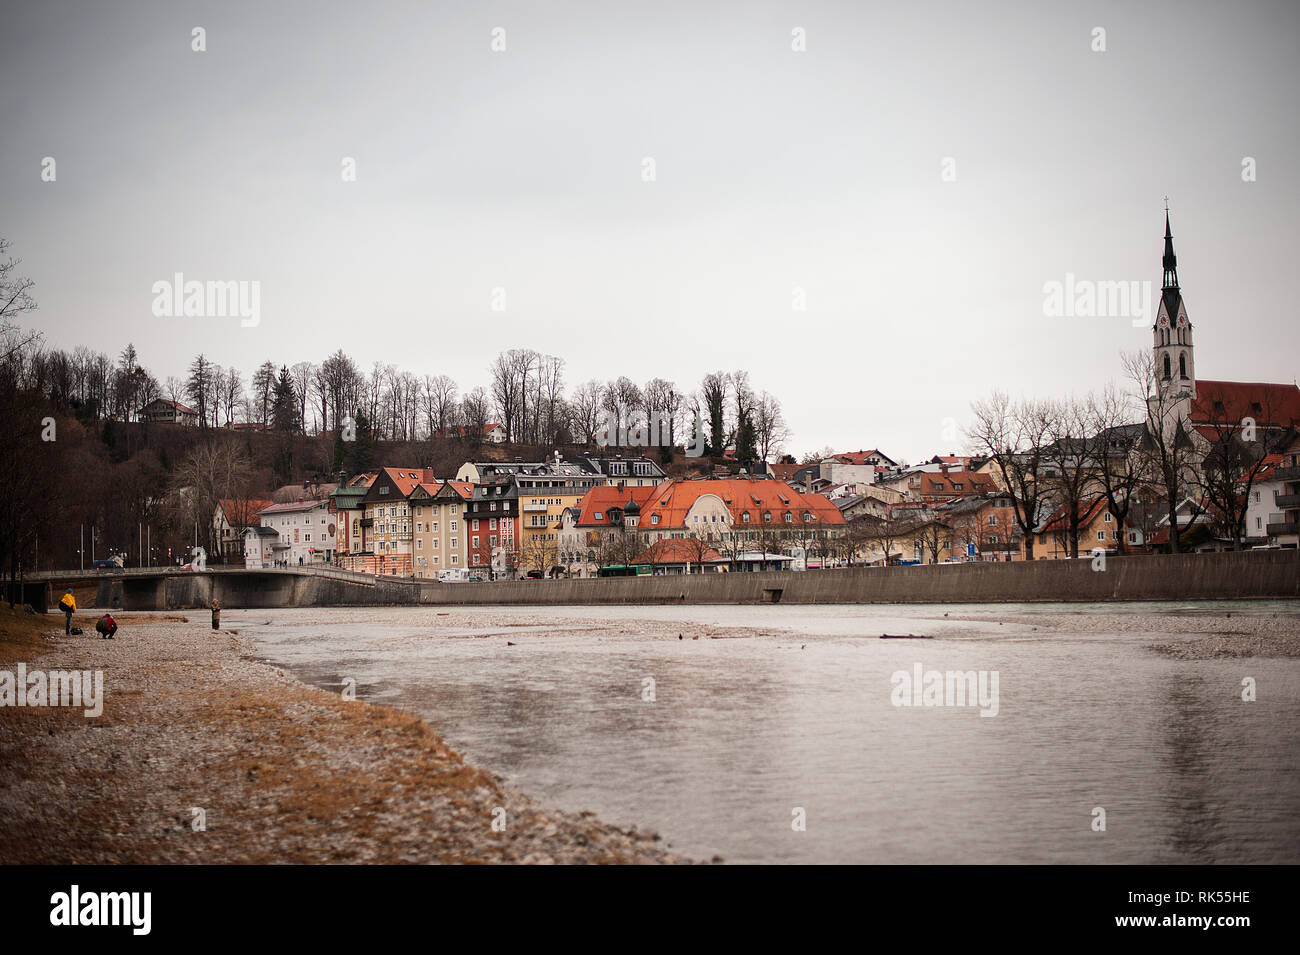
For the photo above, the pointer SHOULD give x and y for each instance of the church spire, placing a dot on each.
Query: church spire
(1171, 260)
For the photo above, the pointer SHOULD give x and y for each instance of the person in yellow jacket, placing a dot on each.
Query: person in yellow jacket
(68, 604)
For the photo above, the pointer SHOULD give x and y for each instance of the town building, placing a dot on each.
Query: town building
(442, 529)
(232, 518)
(169, 412)
(347, 503)
(493, 515)
(291, 535)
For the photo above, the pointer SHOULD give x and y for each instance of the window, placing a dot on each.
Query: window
(744, 517)
(993, 520)
(419, 543)
(475, 524)
(1101, 535)
(492, 524)
(1107, 518)
(654, 519)
(453, 527)
(788, 517)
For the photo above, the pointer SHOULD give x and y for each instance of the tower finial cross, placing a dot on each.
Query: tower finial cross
(1166, 203)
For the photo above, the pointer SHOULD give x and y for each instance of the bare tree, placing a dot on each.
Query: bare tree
(770, 431)
(1014, 436)
(1167, 451)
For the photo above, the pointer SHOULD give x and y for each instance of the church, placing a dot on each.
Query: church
(1205, 407)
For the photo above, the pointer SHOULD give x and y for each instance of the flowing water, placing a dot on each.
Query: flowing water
(781, 713)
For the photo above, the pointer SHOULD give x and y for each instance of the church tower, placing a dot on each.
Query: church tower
(1175, 365)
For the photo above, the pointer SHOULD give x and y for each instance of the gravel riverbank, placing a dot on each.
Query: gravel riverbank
(281, 772)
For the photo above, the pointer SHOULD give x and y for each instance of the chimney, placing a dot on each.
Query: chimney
(943, 468)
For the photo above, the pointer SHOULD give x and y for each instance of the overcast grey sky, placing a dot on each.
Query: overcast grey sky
(775, 170)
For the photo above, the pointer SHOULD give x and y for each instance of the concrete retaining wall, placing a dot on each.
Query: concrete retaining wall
(1227, 576)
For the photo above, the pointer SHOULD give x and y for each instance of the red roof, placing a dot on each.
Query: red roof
(673, 499)
(599, 500)
(857, 457)
(405, 479)
(1228, 402)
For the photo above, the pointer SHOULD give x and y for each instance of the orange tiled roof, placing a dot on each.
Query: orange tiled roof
(673, 499)
(600, 499)
(405, 479)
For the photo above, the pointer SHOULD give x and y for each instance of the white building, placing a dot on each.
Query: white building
(291, 535)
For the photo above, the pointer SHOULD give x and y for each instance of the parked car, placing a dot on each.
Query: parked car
(116, 562)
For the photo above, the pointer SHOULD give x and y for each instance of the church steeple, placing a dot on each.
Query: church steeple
(1174, 355)
(1171, 260)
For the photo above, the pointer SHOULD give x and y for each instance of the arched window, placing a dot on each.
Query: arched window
(1166, 366)
(1182, 365)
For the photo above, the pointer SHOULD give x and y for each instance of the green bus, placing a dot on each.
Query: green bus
(625, 570)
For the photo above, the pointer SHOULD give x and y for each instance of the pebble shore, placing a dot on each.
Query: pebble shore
(277, 772)
(1204, 635)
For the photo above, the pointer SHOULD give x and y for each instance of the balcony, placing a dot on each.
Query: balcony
(1287, 474)
(531, 508)
(1285, 529)
(1287, 500)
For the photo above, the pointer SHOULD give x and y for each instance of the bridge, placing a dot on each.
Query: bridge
(164, 588)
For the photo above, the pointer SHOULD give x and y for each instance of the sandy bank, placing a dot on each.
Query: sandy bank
(282, 772)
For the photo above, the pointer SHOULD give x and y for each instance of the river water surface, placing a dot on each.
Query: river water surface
(780, 712)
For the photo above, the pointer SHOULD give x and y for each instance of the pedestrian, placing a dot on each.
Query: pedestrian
(216, 614)
(68, 605)
(106, 626)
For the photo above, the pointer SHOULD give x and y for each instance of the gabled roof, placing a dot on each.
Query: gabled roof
(405, 480)
(171, 404)
(433, 489)
(860, 457)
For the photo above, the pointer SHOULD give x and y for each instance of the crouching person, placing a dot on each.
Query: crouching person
(106, 626)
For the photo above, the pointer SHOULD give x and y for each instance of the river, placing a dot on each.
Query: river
(782, 714)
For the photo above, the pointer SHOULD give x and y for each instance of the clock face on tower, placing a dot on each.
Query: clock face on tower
(1164, 320)
(1182, 319)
